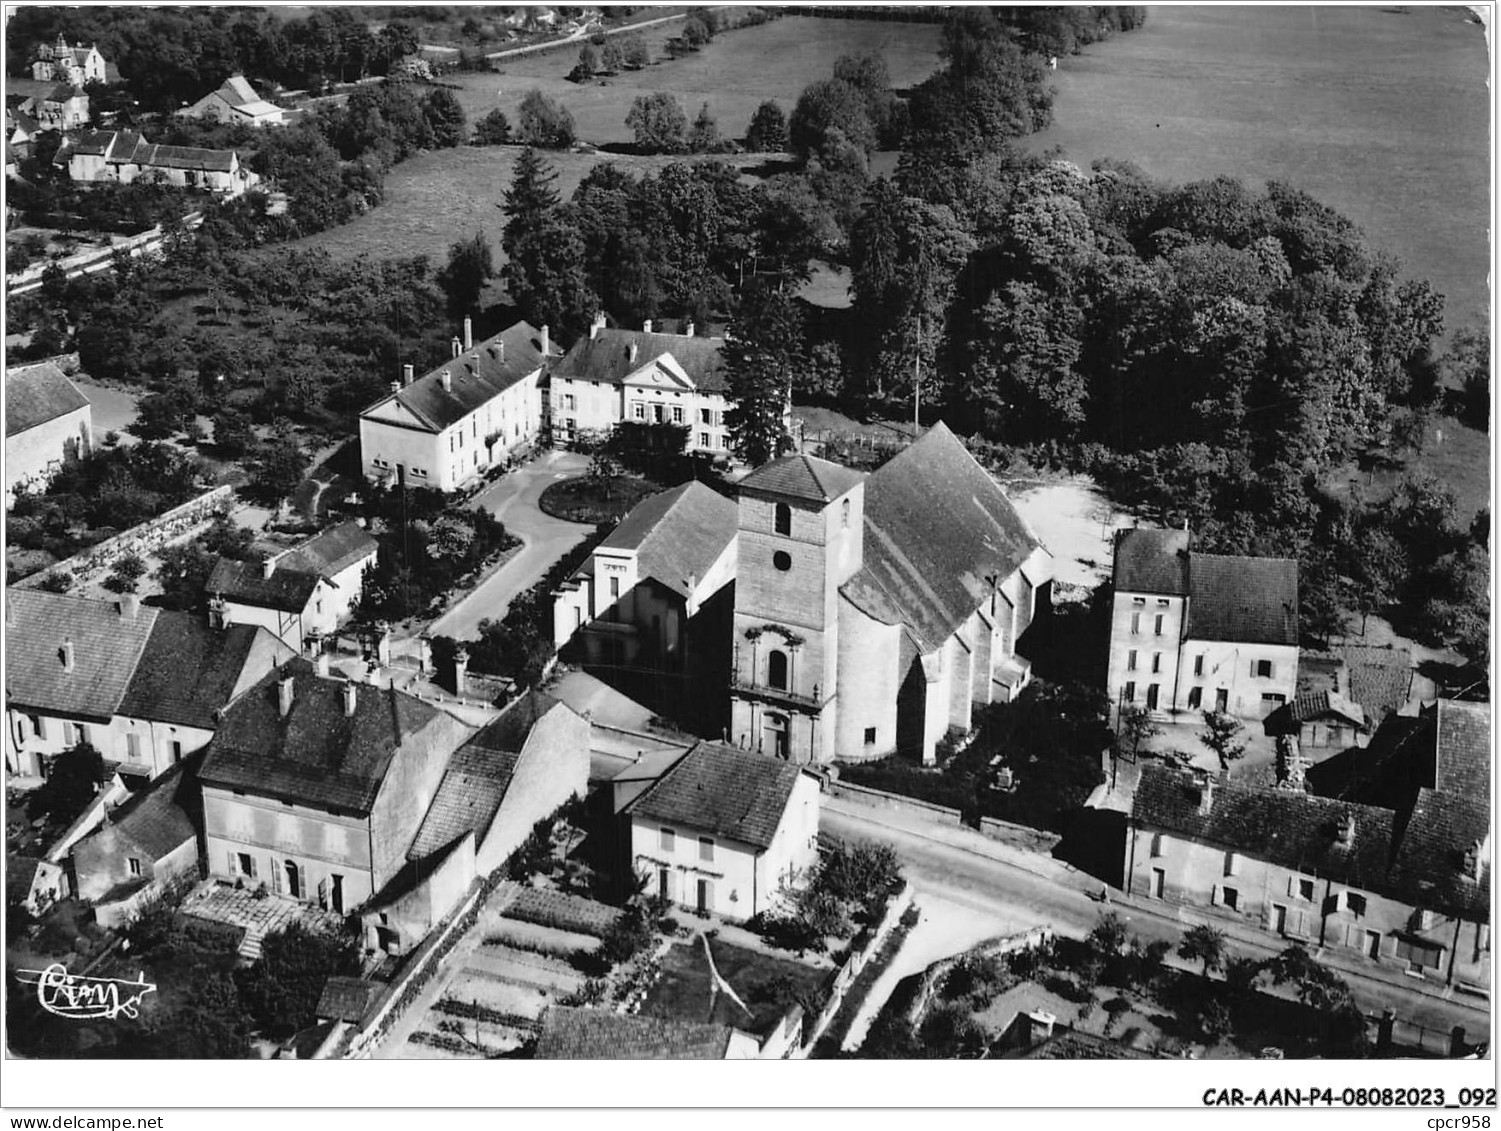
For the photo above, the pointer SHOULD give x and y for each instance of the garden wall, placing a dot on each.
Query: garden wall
(1019, 836)
(943, 814)
(99, 259)
(146, 538)
(845, 976)
(990, 948)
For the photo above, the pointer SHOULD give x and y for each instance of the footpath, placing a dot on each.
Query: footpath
(1389, 983)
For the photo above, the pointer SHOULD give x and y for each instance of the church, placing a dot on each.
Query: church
(870, 614)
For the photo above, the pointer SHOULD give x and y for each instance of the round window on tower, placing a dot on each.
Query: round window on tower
(782, 560)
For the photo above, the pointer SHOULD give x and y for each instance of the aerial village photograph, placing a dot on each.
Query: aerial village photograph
(785, 532)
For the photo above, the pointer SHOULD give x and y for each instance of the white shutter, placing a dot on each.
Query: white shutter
(254, 868)
(233, 864)
(1292, 886)
(276, 882)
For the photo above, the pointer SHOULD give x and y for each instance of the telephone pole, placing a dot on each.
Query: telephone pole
(917, 380)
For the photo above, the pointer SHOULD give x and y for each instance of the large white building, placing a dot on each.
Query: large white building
(235, 102)
(450, 426)
(641, 377)
(1201, 632)
(76, 65)
(48, 422)
(125, 156)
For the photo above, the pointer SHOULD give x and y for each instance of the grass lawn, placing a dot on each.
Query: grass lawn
(595, 500)
(734, 74)
(767, 985)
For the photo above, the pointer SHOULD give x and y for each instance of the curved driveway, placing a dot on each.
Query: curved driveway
(513, 500)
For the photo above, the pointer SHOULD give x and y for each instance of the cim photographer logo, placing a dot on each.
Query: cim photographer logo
(83, 998)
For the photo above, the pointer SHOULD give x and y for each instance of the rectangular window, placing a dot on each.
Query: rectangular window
(1199, 664)
(1305, 890)
(703, 439)
(638, 410)
(1157, 625)
(1264, 669)
(870, 736)
(614, 588)
(1130, 692)
(1139, 601)
(706, 848)
(133, 747)
(1156, 661)
(677, 414)
(569, 403)
(135, 865)
(39, 726)
(1156, 844)
(1230, 897)
(1232, 863)
(81, 735)
(1135, 623)
(1195, 698)
(1131, 660)
(669, 841)
(706, 416)
(1423, 956)
(1355, 904)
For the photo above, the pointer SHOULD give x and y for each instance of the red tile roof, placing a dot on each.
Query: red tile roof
(607, 357)
(677, 534)
(107, 645)
(1247, 600)
(1151, 561)
(35, 394)
(718, 789)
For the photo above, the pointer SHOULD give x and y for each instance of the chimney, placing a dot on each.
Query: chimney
(448, 377)
(1206, 794)
(688, 330)
(268, 567)
(547, 339)
(349, 699)
(1474, 862)
(424, 654)
(1345, 833)
(322, 664)
(67, 652)
(408, 375)
(646, 326)
(284, 696)
(692, 583)
(460, 669)
(594, 327)
(458, 346)
(396, 386)
(468, 332)
(130, 605)
(499, 350)
(632, 350)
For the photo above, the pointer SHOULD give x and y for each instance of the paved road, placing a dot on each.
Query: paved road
(1054, 893)
(513, 500)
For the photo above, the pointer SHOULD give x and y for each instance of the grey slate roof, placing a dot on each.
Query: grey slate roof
(1250, 600)
(331, 551)
(35, 394)
(347, 999)
(476, 376)
(244, 583)
(317, 755)
(1463, 748)
(107, 644)
(938, 531)
(1311, 705)
(467, 798)
(1151, 561)
(156, 818)
(727, 792)
(1380, 678)
(677, 534)
(571, 1033)
(1294, 830)
(802, 477)
(187, 671)
(607, 357)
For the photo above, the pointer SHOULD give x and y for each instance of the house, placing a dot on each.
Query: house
(645, 378)
(873, 614)
(142, 849)
(235, 102)
(315, 787)
(657, 597)
(1201, 632)
(48, 422)
(76, 65)
(575, 1033)
(448, 427)
(515, 771)
(33, 883)
(124, 156)
(1409, 890)
(21, 130)
(64, 107)
(1320, 720)
(140, 685)
(725, 830)
(302, 594)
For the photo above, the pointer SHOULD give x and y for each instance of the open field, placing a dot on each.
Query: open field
(1382, 114)
(734, 74)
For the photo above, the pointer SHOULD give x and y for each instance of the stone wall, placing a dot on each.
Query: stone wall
(942, 814)
(1020, 836)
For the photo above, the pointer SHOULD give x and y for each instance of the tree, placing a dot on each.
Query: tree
(1467, 366)
(493, 129)
(445, 118)
(282, 988)
(1109, 934)
(704, 135)
(1203, 943)
(761, 356)
(1137, 725)
(1221, 734)
(529, 204)
(611, 55)
(544, 122)
(659, 123)
(768, 129)
(182, 573)
(126, 575)
(696, 33)
(278, 471)
(824, 108)
(470, 266)
(587, 66)
(634, 51)
(74, 779)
